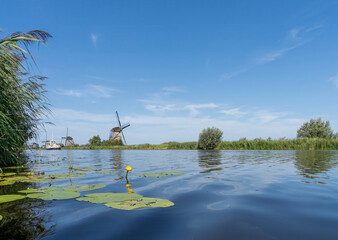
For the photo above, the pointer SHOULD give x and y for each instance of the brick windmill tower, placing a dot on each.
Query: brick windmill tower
(116, 133)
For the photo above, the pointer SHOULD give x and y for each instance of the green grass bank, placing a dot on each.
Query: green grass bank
(242, 144)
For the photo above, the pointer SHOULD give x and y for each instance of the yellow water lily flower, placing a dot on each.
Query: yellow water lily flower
(128, 168)
(128, 185)
(130, 190)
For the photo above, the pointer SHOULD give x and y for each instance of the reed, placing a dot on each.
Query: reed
(22, 98)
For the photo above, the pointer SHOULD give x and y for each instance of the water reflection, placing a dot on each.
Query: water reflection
(315, 164)
(209, 160)
(116, 159)
(26, 218)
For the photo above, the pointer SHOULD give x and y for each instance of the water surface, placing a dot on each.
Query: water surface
(221, 195)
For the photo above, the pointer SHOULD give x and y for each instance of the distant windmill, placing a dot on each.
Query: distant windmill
(68, 140)
(116, 132)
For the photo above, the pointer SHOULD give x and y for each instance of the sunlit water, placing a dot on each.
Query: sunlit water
(221, 195)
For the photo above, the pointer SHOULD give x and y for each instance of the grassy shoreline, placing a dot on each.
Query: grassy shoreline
(242, 144)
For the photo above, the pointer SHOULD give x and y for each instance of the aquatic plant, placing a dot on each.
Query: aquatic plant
(109, 197)
(22, 98)
(54, 195)
(140, 203)
(10, 197)
(128, 168)
(84, 187)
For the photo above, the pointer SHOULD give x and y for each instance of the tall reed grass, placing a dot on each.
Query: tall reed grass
(22, 98)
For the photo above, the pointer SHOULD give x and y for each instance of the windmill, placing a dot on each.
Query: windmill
(117, 132)
(68, 140)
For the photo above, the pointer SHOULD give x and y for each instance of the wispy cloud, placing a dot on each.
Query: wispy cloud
(69, 92)
(194, 108)
(100, 91)
(170, 90)
(295, 38)
(94, 38)
(265, 116)
(334, 80)
(160, 108)
(235, 112)
(93, 90)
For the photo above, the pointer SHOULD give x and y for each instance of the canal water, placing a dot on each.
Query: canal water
(221, 195)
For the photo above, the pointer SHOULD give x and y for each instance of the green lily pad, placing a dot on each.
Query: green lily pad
(109, 197)
(140, 203)
(85, 169)
(0, 217)
(7, 174)
(54, 195)
(40, 190)
(15, 167)
(160, 174)
(10, 197)
(84, 187)
(107, 172)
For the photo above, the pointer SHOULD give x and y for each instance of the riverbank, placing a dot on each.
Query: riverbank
(242, 144)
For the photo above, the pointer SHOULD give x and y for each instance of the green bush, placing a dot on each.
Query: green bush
(316, 128)
(95, 141)
(209, 138)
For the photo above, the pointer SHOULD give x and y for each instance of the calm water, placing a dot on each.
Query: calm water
(222, 195)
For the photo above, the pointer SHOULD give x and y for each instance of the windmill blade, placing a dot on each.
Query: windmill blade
(118, 119)
(123, 138)
(125, 125)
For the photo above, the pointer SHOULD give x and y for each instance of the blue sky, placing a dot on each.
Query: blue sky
(171, 68)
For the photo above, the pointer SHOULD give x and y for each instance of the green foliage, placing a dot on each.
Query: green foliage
(209, 138)
(160, 174)
(111, 142)
(95, 141)
(316, 128)
(22, 99)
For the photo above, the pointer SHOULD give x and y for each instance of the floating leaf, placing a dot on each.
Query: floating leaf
(140, 203)
(15, 167)
(85, 169)
(54, 195)
(107, 172)
(7, 174)
(84, 187)
(0, 217)
(160, 174)
(10, 197)
(40, 190)
(109, 197)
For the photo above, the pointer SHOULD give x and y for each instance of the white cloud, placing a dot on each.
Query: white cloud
(94, 38)
(69, 92)
(193, 108)
(157, 129)
(160, 108)
(293, 34)
(334, 80)
(274, 55)
(98, 91)
(170, 90)
(235, 112)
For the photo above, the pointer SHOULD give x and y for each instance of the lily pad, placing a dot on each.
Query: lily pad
(84, 187)
(85, 169)
(160, 174)
(54, 195)
(109, 197)
(10, 197)
(15, 167)
(107, 172)
(7, 174)
(0, 217)
(40, 190)
(140, 203)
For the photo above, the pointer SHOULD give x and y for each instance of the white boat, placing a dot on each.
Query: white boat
(52, 145)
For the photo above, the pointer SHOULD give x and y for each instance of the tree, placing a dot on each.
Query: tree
(22, 99)
(95, 141)
(209, 138)
(316, 128)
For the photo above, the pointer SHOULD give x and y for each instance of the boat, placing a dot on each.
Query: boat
(52, 145)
